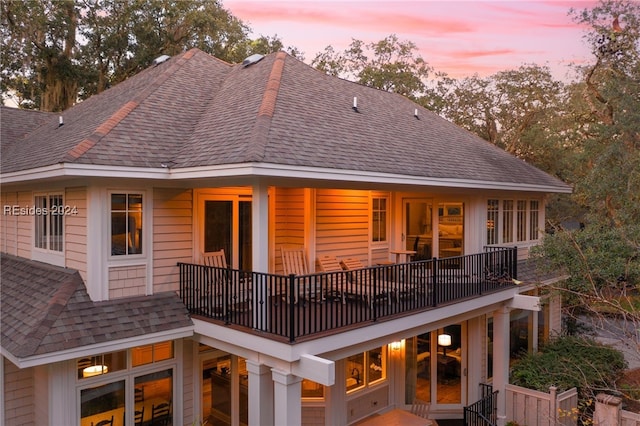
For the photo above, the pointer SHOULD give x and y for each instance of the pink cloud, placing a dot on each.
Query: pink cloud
(379, 18)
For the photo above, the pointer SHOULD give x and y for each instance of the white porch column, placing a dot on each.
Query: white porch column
(260, 227)
(501, 360)
(335, 410)
(260, 251)
(287, 393)
(260, 394)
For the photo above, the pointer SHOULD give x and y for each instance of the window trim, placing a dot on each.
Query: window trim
(387, 225)
(495, 218)
(47, 255)
(145, 231)
(129, 375)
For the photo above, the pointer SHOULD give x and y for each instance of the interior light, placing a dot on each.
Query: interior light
(444, 340)
(95, 370)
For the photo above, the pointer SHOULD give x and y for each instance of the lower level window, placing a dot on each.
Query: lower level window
(365, 369)
(153, 402)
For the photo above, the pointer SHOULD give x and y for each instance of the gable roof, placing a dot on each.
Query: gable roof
(195, 112)
(45, 309)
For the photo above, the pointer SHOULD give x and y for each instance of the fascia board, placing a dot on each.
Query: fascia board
(89, 350)
(267, 170)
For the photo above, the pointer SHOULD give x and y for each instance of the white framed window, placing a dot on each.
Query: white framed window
(379, 219)
(512, 221)
(135, 386)
(49, 222)
(366, 369)
(126, 225)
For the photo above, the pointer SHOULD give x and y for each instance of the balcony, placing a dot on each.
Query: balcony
(291, 308)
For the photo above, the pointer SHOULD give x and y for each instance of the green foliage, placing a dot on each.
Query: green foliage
(389, 64)
(568, 362)
(56, 52)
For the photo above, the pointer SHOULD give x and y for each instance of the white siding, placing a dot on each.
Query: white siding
(19, 402)
(9, 223)
(172, 235)
(342, 224)
(75, 235)
(289, 221)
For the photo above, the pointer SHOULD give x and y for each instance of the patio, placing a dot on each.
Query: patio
(295, 307)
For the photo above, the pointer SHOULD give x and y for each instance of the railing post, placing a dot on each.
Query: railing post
(374, 314)
(434, 282)
(292, 306)
(515, 263)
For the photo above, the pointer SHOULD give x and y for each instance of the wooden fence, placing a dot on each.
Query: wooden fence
(530, 407)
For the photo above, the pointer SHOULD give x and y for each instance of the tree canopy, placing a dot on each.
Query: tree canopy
(56, 52)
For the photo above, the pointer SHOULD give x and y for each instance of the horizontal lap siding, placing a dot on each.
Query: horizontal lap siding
(172, 235)
(75, 226)
(9, 224)
(289, 221)
(19, 396)
(342, 224)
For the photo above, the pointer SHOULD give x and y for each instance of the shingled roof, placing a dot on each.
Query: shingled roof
(195, 111)
(46, 309)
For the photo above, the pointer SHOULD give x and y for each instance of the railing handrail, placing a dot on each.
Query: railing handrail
(278, 302)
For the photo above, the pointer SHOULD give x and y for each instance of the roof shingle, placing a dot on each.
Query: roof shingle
(46, 309)
(194, 110)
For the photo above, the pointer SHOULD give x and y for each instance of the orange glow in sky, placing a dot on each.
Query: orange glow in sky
(461, 38)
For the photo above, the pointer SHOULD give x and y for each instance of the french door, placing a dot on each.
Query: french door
(225, 223)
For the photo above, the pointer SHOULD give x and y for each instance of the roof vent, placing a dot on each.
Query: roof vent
(252, 60)
(160, 59)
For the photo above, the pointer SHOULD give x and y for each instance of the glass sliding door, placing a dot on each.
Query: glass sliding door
(226, 225)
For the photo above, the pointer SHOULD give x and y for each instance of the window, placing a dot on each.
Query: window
(510, 221)
(493, 207)
(379, 219)
(151, 353)
(533, 219)
(48, 229)
(365, 369)
(111, 385)
(126, 224)
(521, 219)
(507, 221)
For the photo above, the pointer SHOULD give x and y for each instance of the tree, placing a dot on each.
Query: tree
(389, 64)
(603, 258)
(39, 39)
(515, 110)
(75, 48)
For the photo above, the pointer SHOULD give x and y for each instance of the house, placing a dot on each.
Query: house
(108, 312)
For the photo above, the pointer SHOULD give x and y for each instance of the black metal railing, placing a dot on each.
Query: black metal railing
(483, 412)
(295, 306)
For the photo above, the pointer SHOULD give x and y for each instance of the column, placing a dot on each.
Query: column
(260, 394)
(335, 410)
(260, 251)
(287, 398)
(501, 346)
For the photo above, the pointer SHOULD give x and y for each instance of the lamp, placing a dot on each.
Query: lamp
(95, 370)
(444, 340)
(396, 346)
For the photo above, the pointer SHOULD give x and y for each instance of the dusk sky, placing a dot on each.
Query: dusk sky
(460, 38)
